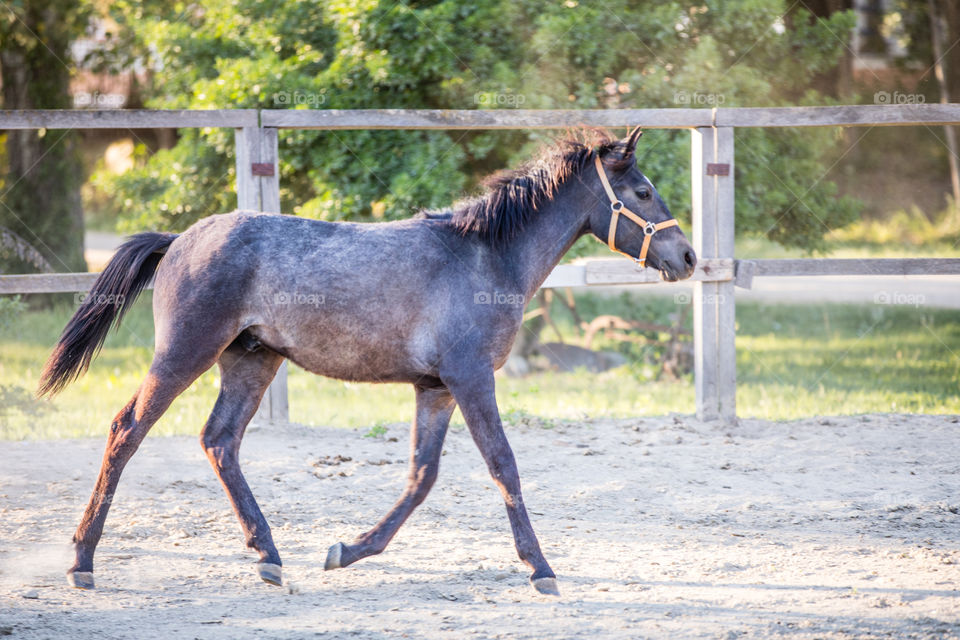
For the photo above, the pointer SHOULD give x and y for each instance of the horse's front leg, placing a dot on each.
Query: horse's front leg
(434, 407)
(474, 393)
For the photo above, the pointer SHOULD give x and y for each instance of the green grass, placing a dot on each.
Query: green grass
(792, 361)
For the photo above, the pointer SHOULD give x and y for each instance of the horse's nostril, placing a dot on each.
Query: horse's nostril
(689, 258)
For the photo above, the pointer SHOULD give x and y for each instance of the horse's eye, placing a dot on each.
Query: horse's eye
(644, 194)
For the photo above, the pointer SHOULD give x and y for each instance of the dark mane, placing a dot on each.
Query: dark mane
(513, 196)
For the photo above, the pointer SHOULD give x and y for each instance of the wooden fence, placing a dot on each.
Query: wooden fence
(712, 180)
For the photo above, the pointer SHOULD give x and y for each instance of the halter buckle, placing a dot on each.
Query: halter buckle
(616, 206)
(650, 229)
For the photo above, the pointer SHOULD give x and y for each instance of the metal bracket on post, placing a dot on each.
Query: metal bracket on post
(258, 189)
(264, 169)
(714, 306)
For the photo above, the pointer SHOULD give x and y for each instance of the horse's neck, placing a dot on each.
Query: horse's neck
(547, 236)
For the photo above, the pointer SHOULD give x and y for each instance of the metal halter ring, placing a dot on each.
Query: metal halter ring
(616, 206)
(650, 229)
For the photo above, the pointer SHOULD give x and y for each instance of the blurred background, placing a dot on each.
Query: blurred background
(804, 348)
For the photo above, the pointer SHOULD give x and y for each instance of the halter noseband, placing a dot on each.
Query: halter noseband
(616, 208)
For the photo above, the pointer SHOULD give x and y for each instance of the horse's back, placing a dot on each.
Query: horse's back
(357, 301)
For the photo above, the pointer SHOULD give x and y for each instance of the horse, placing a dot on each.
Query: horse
(434, 301)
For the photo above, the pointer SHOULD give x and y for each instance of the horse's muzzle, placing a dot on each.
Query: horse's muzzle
(678, 266)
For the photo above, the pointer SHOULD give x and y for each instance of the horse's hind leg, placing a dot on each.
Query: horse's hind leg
(434, 407)
(162, 384)
(244, 376)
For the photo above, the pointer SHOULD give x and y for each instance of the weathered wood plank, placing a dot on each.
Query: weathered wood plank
(484, 119)
(726, 296)
(703, 143)
(857, 267)
(614, 271)
(743, 271)
(126, 118)
(725, 194)
(247, 146)
(705, 351)
(602, 272)
(845, 115)
(566, 275)
(714, 308)
(860, 115)
(703, 193)
(270, 185)
(46, 283)
(275, 405)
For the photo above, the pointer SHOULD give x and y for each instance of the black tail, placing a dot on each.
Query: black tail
(127, 273)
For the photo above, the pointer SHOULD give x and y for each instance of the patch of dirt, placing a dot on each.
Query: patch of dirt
(845, 527)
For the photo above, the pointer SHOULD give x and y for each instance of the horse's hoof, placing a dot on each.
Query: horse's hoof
(333, 557)
(80, 579)
(270, 572)
(546, 586)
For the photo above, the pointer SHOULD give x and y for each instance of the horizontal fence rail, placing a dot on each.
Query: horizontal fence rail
(839, 116)
(856, 267)
(846, 116)
(47, 283)
(712, 179)
(485, 119)
(128, 119)
(900, 115)
(609, 272)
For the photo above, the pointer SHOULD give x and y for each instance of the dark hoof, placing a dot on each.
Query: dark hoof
(270, 572)
(546, 586)
(334, 555)
(80, 579)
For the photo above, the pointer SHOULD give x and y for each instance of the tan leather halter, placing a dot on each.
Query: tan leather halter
(616, 208)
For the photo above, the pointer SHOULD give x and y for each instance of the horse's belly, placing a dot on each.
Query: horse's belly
(358, 367)
(362, 353)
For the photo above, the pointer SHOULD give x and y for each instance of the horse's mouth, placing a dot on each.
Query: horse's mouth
(666, 276)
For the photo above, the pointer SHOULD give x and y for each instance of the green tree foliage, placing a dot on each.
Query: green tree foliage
(40, 172)
(484, 54)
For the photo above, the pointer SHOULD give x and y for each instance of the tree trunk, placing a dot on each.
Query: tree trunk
(40, 192)
(937, 23)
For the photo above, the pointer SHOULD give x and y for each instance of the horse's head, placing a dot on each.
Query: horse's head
(630, 215)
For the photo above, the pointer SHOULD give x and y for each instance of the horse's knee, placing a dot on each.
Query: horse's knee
(422, 479)
(221, 454)
(503, 469)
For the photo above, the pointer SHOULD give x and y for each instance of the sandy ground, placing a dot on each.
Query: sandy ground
(658, 527)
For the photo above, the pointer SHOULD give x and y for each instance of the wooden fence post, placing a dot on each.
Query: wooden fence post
(276, 397)
(714, 305)
(247, 141)
(258, 189)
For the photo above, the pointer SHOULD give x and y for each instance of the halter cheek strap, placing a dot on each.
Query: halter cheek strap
(616, 208)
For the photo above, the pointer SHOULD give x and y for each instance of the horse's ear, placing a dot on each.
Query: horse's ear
(632, 142)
